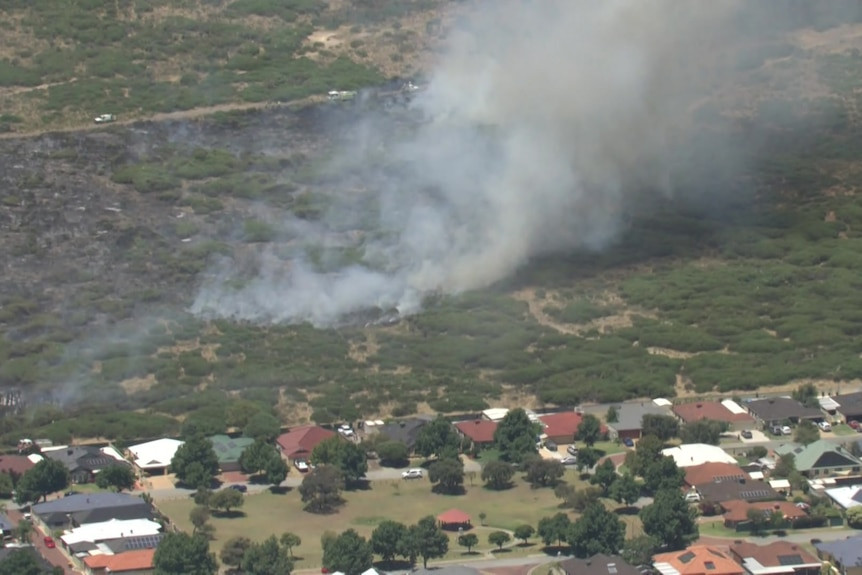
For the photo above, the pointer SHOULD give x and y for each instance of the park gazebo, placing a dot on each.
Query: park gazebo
(454, 519)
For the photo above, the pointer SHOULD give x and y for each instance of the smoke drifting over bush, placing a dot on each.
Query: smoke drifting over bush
(543, 120)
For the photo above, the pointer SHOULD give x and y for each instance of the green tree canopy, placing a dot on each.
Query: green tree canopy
(262, 459)
(625, 489)
(234, 550)
(348, 552)
(544, 472)
(262, 425)
(120, 476)
(587, 457)
(524, 532)
(703, 431)
(605, 476)
(499, 538)
(195, 463)
(664, 427)
(515, 436)
(21, 562)
(428, 540)
(290, 541)
(639, 550)
(393, 453)
(468, 540)
(670, 519)
(498, 475)
(554, 529)
(347, 456)
(267, 558)
(226, 499)
(179, 553)
(47, 476)
(589, 429)
(613, 415)
(437, 438)
(447, 475)
(321, 489)
(806, 432)
(663, 473)
(387, 539)
(597, 530)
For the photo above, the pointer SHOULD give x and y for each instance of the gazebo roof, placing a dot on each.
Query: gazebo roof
(453, 516)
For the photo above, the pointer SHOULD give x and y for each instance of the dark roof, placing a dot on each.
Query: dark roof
(140, 511)
(6, 523)
(134, 543)
(775, 408)
(82, 457)
(599, 564)
(86, 501)
(406, 431)
(630, 415)
(849, 403)
(777, 554)
(847, 551)
(748, 490)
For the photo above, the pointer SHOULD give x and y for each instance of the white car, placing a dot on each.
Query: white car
(785, 430)
(569, 460)
(411, 474)
(301, 465)
(104, 118)
(824, 426)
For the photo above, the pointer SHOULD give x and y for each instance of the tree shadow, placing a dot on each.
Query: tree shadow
(555, 550)
(503, 550)
(473, 552)
(358, 485)
(505, 487)
(523, 545)
(627, 510)
(280, 490)
(394, 565)
(441, 490)
(232, 514)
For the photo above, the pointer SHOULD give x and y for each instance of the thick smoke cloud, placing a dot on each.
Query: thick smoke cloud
(543, 121)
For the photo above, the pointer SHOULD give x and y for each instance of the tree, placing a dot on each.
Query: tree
(199, 515)
(662, 426)
(429, 541)
(7, 484)
(639, 550)
(613, 415)
(183, 554)
(24, 529)
(703, 431)
(447, 475)
(524, 532)
(515, 436)
(498, 475)
(290, 541)
(854, 517)
(266, 558)
(806, 394)
(806, 432)
(393, 453)
(625, 489)
(386, 539)
(234, 550)
(647, 451)
(21, 562)
(195, 462)
(758, 520)
(587, 457)
(47, 476)
(605, 476)
(347, 456)
(321, 489)
(577, 499)
(554, 529)
(589, 429)
(119, 476)
(597, 530)
(785, 465)
(349, 553)
(240, 411)
(263, 459)
(202, 496)
(436, 438)
(263, 426)
(226, 499)
(468, 540)
(544, 472)
(663, 473)
(670, 519)
(499, 538)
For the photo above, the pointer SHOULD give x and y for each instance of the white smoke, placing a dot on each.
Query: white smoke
(543, 119)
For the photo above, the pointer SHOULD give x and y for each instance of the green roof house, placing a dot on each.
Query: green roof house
(821, 458)
(228, 450)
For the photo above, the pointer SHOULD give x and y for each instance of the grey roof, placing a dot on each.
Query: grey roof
(776, 408)
(86, 502)
(849, 403)
(5, 523)
(748, 490)
(134, 543)
(630, 415)
(86, 457)
(405, 431)
(848, 551)
(599, 564)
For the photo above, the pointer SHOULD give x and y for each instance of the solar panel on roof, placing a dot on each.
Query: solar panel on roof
(709, 565)
(143, 542)
(790, 559)
(686, 557)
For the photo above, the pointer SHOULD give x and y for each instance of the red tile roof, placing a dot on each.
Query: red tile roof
(480, 430)
(301, 441)
(140, 560)
(736, 510)
(16, 464)
(700, 560)
(774, 554)
(714, 410)
(453, 516)
(709, 472)
(559, 424)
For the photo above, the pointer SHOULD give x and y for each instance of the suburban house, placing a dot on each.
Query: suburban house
(697, 560)
(599, 564)
(15, 465)
(846, 496)
(744, 489)
(154, 457)
(629, 424)
(115, 546)
(132, 563)
(480, 432)
(495, 413)
(406, 431)
(84, 461)
(709, 472)
(844, 554)
(83, 508)
(6, 525)
(111, 529)
(691, 454)
(779, 558)
(849, 406)
(736, 510)
(562, 428)
(298, 443)
(772, 411)
(821, 458)
(228, 450)
(727, 411)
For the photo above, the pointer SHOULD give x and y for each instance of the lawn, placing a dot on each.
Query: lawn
(841, 429)
(407, 502)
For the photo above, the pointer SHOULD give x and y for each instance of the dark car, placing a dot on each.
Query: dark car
(550, 445)
(747, 434)
(628, 442)
(238, 487)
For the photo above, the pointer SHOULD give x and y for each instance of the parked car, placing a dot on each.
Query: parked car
(569, 460)
(824, 426)
(238, 487)
(747, 434)
(785, 430)
(550, 445)
(572, 450)
(49, 542)
(415, 473)
(104, 118)
(776, 430)
(628, 442)
(301, 465)
(854, 424)
(345, 430)
(692, 497)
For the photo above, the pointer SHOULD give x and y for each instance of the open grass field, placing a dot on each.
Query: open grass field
(404, 501)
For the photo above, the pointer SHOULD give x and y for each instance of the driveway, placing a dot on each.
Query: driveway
(54, 556)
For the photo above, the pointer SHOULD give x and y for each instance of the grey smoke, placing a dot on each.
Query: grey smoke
(543, 120)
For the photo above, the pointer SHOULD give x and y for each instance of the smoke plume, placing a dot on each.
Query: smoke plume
(541, 122)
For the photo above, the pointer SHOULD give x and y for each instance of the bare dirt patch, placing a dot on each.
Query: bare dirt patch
(136, 384)
(834, 40)
(622, 319)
